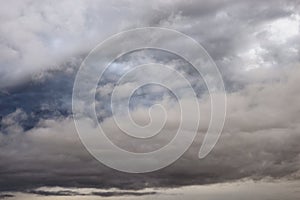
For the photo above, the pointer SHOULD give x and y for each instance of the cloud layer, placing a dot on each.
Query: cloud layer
(254, 43)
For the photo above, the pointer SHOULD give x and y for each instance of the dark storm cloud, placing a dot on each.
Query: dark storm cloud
(102, 194)
(4, 196)
(56, 193)
(42, 45)
(109, 194)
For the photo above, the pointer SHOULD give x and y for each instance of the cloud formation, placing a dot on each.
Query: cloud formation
(260, 139)
(254, 43)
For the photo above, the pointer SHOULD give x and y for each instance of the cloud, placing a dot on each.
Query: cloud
(38, 37)
(43, 44)
(93, 193)
(4, 196)
(260, 140)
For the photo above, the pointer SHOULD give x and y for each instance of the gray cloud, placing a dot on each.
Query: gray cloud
(95, 193)
(260, 140)
(4, 196)
(38, 36)
(254, 43)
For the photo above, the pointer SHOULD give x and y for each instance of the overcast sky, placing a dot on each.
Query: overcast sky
(254, 43)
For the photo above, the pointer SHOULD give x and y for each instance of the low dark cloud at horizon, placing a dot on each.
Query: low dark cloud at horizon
(255, 45)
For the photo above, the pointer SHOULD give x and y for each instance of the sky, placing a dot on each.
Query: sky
(255, 46)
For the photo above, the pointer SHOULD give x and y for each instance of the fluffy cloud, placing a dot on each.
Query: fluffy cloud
(39, 36)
